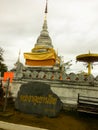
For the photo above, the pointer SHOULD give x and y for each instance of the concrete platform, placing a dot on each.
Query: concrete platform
(11, 126)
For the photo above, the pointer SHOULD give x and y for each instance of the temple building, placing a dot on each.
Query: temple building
(43, 54)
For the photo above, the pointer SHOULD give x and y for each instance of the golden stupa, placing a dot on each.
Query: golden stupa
(43, 53)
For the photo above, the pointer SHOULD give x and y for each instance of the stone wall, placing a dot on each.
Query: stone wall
(67, 91)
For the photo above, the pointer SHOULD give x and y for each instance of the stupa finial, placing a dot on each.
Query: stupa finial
(18, 60)
(46, 8)
(89, 52)
(19, 56)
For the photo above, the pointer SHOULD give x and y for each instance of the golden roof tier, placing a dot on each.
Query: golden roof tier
(89, 58)
(41, 57)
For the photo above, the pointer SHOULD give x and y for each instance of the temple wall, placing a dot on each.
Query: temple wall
(67, 91)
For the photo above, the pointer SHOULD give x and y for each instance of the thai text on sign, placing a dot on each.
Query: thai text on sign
(38, 99)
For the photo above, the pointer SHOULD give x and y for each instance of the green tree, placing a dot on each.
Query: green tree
(3, 67)
(65, 66)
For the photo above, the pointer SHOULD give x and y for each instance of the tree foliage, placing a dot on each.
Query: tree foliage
(3, 67)
(65, 66)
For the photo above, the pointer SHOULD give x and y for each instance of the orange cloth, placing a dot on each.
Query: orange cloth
(41, 56)
(40, 63)
(8, 75)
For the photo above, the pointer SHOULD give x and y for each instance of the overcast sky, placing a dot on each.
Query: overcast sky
(72, 26)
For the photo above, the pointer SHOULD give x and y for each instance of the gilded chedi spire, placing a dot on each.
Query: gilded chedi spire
(44, 38)
(43, 53)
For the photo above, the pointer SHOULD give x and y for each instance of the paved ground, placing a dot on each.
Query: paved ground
(11, 126)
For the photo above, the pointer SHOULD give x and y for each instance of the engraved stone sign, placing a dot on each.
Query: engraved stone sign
(38, 98)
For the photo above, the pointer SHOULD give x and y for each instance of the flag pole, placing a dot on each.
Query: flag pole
(6, 94)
